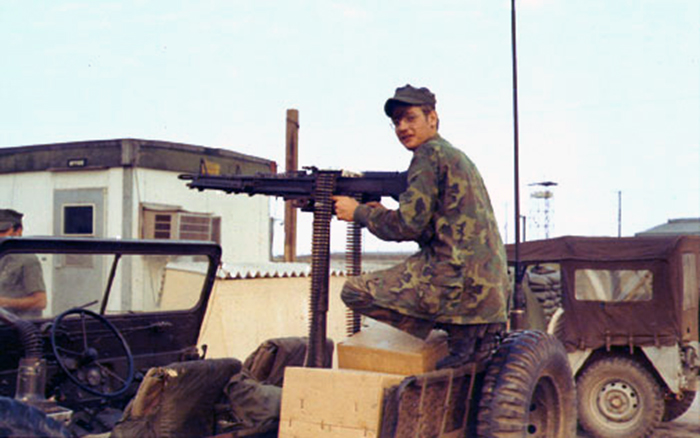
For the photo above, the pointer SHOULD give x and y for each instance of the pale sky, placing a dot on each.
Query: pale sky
(609, 91)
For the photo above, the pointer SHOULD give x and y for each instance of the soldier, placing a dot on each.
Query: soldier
(458, 279)
(22, 288)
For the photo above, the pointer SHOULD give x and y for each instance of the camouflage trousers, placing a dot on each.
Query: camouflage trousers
(363, 302)
(481, 339)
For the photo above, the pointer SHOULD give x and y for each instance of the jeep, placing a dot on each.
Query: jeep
(116, 308)
(626, 310)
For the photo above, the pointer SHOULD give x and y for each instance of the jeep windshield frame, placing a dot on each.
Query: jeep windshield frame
(157, 335)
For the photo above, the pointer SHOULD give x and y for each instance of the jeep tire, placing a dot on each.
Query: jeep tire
(528, 390)
(18, 419)
(619, 398)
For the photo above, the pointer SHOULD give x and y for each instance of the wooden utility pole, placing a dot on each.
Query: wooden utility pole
(291, 165)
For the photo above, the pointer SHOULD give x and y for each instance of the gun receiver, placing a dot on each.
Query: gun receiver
(300, 186)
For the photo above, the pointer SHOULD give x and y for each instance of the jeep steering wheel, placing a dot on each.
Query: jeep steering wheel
(81, 360)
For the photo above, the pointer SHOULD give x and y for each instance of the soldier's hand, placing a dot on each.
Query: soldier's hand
(345, 207)
(375, 204)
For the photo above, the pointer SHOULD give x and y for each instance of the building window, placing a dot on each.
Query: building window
(79, 220)
(163, 222)
(193, 227)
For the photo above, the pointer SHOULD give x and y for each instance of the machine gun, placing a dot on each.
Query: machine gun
(300, 186)
(311, 190)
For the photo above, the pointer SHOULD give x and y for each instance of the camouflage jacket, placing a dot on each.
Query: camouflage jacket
(459, 275)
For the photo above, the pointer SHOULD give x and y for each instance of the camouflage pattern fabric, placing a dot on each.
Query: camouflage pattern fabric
(363, 302)
(459, 275)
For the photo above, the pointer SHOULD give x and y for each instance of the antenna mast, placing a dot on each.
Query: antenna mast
(518, 311)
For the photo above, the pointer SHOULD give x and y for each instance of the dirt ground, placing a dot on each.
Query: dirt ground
(687, 426)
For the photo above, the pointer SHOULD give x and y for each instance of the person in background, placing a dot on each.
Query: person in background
(22, 288)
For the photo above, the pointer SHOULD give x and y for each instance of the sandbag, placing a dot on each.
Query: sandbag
(253, 404)
(267, 363)
(177, 400)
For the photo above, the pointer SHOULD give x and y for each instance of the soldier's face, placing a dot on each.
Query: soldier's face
(12, 232)
(413, 127)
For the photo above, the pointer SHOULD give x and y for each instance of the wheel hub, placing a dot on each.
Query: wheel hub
(618, 401)
(543, 413)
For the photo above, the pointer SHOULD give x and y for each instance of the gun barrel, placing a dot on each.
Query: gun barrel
(369, 186)
(289, 188)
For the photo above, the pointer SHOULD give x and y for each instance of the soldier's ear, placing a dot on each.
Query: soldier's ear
(433, 120)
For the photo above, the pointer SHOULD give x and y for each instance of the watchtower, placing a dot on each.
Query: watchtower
(542, 196)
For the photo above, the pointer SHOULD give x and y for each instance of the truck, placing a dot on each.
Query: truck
(626, 310)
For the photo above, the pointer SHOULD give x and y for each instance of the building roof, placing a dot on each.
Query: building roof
(242, 271)
(674, 227)
(128, 152)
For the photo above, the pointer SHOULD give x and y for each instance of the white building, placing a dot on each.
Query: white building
(129, 188)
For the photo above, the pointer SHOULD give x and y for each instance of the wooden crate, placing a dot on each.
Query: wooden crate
(324, 403)
(384, 349)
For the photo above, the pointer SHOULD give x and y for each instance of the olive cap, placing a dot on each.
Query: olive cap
(409, 95)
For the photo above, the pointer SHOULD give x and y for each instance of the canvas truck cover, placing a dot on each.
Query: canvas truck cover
(652, 285)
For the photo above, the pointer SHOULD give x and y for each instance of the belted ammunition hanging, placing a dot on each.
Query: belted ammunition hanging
(320, 267)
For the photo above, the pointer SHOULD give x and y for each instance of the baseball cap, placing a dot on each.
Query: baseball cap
(409, 95)
(9, 218)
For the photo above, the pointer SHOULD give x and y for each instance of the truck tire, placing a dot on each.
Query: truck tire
(21, 420)
(528, 390)
(674, 408)
(619, 398)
